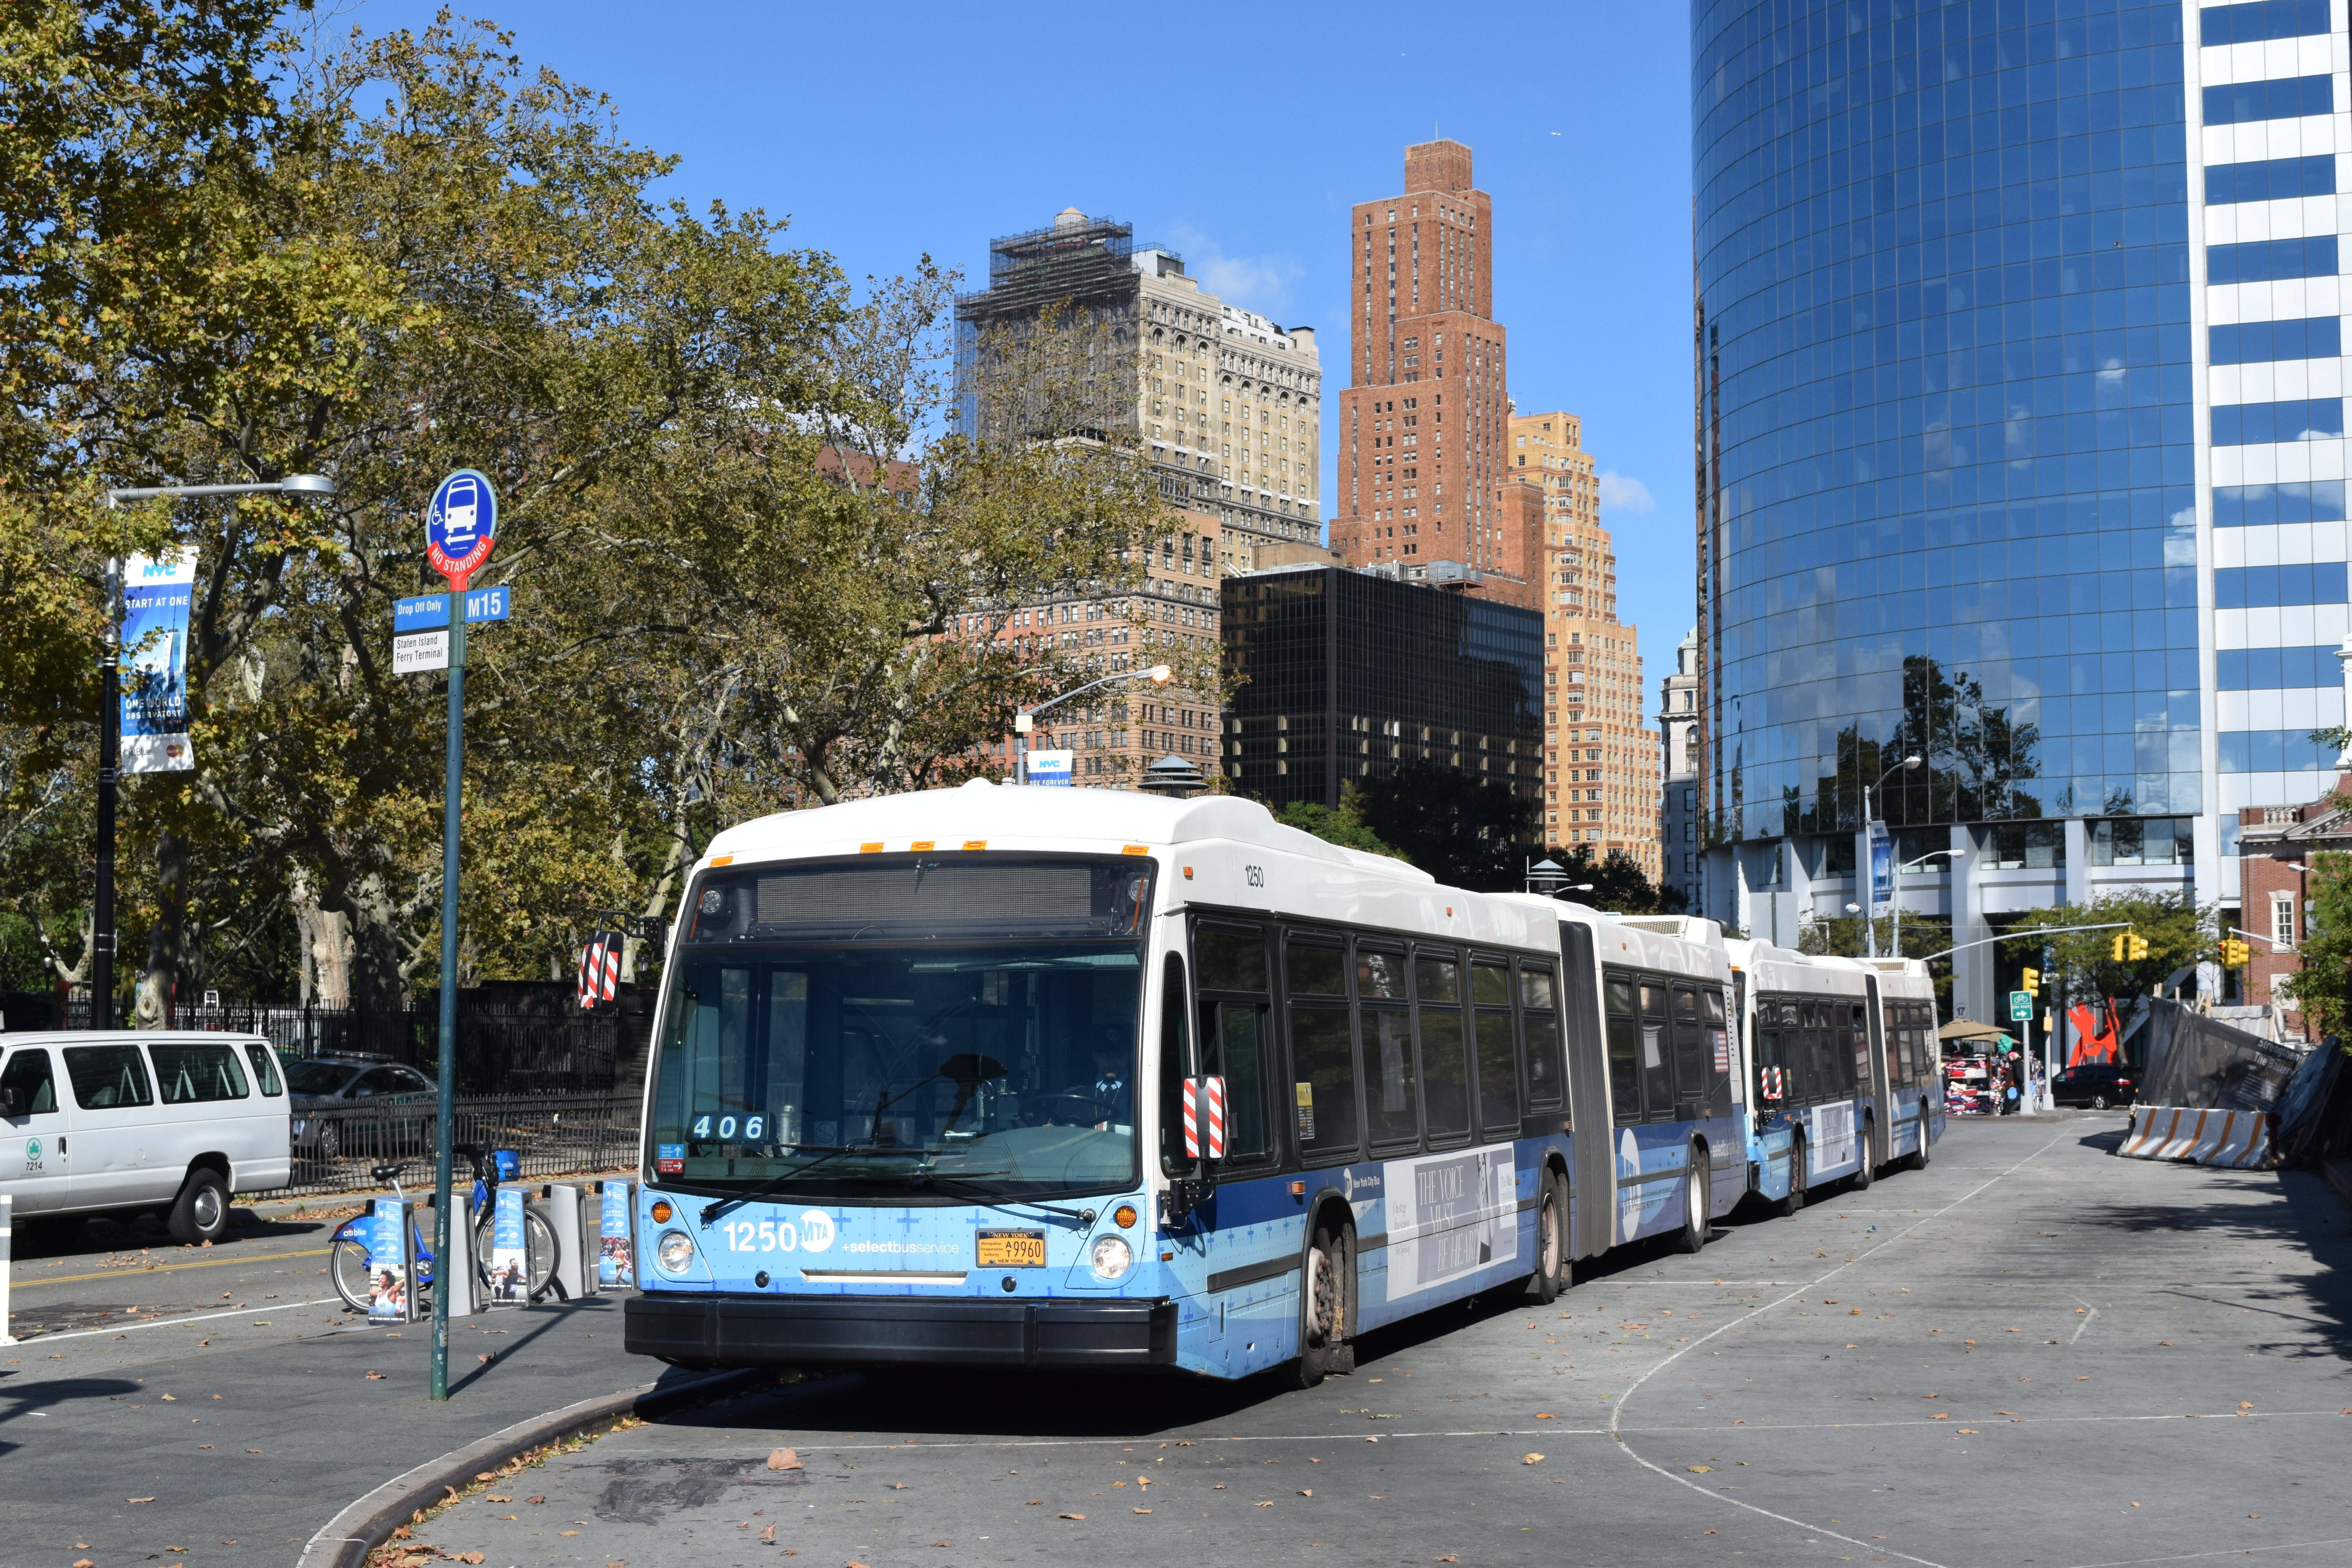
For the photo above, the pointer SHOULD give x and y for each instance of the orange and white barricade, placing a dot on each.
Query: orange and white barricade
(2233, 1139)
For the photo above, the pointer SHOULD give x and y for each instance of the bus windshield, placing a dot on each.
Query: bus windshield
(991, 1057)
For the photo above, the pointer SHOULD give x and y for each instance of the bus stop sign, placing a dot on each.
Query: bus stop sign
(461, 526)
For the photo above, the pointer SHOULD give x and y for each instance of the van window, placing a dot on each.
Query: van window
(264, 1068)
(190, 1074)
(107, 1078)
(29, 1075)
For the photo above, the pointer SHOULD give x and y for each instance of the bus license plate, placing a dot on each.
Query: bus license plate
(1011, 1248)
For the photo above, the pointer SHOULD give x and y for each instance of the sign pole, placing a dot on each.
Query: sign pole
(460, 528)
(110, 765)
(445, 1118)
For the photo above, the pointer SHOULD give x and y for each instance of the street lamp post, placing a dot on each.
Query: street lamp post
(110, 725)
(1862, 867)
(1549, 878)
(1025, 719)
(1896, 940)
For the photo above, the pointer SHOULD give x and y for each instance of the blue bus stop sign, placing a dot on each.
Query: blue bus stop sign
(461, 526)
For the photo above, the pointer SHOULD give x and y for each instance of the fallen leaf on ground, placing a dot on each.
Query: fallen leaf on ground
(1531, 1459)
(1143, 1510)
(534, 1499)
(375, 1377)
(139, 1499)
(785, 1460)
(466, 1557)
(767, 1535)
(1698, 1469)
(1545, 1415)
(1075, 1516)
(1940, 1415)
(1307, 1491)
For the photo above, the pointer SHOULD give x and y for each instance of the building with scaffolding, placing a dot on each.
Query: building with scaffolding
(1224, 402)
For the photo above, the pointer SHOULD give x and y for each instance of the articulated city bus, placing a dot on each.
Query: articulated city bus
(1029, 1077)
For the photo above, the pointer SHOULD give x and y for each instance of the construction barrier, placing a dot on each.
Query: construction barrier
(2234, 1140)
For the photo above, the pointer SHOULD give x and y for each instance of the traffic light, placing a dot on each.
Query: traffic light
(2128, 945)
(2116, 947)
(2030, 983)
(2234, 953)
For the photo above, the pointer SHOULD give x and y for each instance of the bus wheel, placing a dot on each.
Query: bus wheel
(1323, 1311)
(1555, 1272)
(1863, 1174)
(1919, 1155)
(1695, 1202)
(1796, 1198)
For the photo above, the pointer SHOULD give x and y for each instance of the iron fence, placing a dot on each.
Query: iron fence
(553, 1135)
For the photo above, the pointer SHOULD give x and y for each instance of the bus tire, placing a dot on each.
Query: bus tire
(1555, 1270)
(1863, 1171)
(1697, 1202)
(1796, 1198)
(1919, 1155)
(1323, 1309)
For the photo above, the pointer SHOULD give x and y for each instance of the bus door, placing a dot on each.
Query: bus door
(1882, 1073)
(1591, 1197)
(1231, 976)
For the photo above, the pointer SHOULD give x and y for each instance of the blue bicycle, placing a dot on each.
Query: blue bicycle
(349, 1263)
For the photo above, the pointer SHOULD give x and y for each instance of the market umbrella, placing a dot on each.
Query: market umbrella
(1970, 1029)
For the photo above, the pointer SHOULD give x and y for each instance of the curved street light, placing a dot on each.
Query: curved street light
(1025, 719)
(1863, 868)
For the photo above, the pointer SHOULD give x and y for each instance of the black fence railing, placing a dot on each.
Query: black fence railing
(512, 1040)
(553, 1135)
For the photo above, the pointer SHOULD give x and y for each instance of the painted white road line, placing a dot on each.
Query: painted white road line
(173, 1322)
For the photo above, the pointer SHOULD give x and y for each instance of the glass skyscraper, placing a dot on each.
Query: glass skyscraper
(2021, 444)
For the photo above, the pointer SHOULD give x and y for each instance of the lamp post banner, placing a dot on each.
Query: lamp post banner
(156, 590)
(1882, 870)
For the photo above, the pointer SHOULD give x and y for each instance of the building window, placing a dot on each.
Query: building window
(2142, 841)
(2025, 847)
(2282, 922)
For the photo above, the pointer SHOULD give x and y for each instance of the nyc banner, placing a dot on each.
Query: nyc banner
(155, 594)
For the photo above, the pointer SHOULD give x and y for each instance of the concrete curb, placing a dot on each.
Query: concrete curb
(345, 1540)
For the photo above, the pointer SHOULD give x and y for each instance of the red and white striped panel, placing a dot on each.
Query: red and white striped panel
(1192, 1119)
(1214, 1099)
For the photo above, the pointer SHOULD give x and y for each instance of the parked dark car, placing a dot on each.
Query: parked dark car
(2096, 1085)
(357, 1083)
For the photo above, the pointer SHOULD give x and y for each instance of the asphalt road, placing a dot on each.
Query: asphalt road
(217, 1405)
(2029, 1353)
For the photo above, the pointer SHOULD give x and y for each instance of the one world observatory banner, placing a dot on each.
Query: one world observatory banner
(155, 593)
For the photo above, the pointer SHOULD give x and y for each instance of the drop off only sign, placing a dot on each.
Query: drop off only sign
(420, 626)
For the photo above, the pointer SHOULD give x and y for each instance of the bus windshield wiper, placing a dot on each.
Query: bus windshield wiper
(775, 1183)
(979, 1197)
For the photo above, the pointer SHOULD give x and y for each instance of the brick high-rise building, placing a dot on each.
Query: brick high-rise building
(1423, 419)
(1600, 762)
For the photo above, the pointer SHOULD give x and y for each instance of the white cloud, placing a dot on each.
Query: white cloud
(1623, 492)
(1260, 283)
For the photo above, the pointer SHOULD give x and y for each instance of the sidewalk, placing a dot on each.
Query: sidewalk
(233, 1455)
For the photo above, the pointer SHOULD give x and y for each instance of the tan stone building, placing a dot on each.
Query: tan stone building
(1601, 760)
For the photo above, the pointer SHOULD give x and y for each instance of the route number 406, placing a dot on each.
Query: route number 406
(754, 1128)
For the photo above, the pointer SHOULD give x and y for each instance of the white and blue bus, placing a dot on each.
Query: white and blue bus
(938, 1080)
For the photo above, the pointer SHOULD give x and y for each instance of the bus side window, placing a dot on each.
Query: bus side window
(1175, 1065)
(1806, 1065)
(1498, 1056)
(1323, 1083)
(1690, 1055)
(1624, 1051)
(1540, 1022)
(1384, 1038)
(1853, 1057)
(1240, 1036)
(1657, 1056)
(1444, 1050)
(1718, 1046)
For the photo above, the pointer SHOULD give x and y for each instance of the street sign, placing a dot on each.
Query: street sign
(433, 609)
(418, 653)
(1051, 767)
(461, 526)
(2020, 1006)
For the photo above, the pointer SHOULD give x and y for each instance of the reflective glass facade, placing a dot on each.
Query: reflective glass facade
(1948, 411)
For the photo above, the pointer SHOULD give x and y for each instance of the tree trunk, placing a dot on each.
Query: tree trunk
(153, 1007)
(325, 938)
(376, 981)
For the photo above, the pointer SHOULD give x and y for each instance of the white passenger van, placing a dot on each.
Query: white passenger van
(122, 1121)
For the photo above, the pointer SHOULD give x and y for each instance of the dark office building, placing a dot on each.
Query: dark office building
(1345, 674)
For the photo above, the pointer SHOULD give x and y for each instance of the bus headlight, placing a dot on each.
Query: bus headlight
(675, 1252)
(1111, 1258)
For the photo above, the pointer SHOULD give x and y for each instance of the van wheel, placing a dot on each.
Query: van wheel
(2099, 1100)
(1796, 1198)
(1555, 1272)
(201, 1211)
(1864, 1174)
(1323, 1310)
(1697, 1203)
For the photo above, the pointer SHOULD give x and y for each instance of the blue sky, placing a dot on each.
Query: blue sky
(1239, 135)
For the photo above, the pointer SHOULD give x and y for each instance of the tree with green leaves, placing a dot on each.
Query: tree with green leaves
(2178, 933)
(1618, 884)
(1342, 824)
(1467, 832)
(2321, 989)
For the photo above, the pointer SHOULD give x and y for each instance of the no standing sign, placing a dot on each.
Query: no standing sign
(461, 526)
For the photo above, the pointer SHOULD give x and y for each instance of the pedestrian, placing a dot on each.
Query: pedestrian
(2009, 1106)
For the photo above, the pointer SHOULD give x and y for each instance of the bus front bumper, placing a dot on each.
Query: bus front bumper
(736, 1331)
